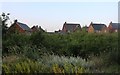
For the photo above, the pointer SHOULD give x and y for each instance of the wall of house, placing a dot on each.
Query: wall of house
(64, 29)
(12, 29)
(105, 30)
(90, 29)
(19, 29)
(16, 28)
(77, 29)
(34, 30)
(111, 29)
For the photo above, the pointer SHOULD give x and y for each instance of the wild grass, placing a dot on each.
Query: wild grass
(59, 64)
(46, 64)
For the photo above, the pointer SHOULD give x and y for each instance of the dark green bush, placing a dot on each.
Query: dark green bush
(103, 47)
(76, 43)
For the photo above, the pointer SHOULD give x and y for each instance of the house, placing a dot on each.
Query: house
(36, 29)
(70, 27)
(97, 28)
(19, 27)
(114, 27)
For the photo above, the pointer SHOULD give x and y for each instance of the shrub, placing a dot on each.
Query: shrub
(46, 64)
(106, 62)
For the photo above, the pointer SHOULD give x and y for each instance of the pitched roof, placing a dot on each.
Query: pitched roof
(98, 26)
(115, 25)
(24, 26)
(71, 27)
(36, 28)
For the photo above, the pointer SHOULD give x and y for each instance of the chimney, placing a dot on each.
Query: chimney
(37, 26)
(111, 22)
(91, 22)
(15, 21)
(65, 23)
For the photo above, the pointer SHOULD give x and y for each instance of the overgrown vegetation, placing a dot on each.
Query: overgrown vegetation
(77, 52)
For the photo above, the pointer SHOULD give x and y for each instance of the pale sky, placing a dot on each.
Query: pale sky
(52, 15)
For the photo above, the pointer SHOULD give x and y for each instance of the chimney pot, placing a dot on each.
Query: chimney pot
(15, 21)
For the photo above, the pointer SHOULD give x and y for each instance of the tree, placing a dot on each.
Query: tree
(4, 18)
(0, 26)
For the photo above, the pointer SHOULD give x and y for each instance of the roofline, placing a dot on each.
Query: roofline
(114, 22)
(71, 23)
(21, 27)
(98, 23)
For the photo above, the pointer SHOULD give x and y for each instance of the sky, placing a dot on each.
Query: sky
(52, 15)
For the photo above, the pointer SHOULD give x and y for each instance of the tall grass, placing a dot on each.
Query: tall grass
(47, 64)
(61, 64)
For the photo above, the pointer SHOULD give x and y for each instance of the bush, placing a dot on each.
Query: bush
(106, 62)
(14, 42)
(26, 66)
(77, 43)
(71, 49)
(37, 39)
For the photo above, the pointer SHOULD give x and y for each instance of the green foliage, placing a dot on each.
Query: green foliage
(59, 64)
(13, 43)
(36, 39)
(27, 66)
(72, 52)
(46, 64)
(77, 43)
(106, 62)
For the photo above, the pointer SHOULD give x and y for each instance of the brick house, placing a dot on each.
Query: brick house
(70, 27)
(97, 28)
(114, 27)
(37, 29)
(19, 27)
